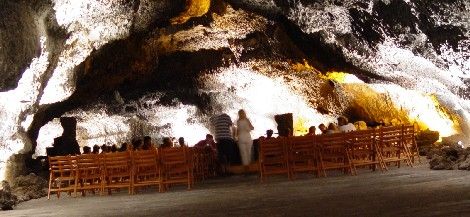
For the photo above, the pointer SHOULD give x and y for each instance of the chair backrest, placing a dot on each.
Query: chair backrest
(331, 141)
(275, 146)
(302, 144)
(117, 161)
(145, 158)
(408, 133)
(361, 139)
(89, 163)
(62, 165)
(174, 155)
(390, 135)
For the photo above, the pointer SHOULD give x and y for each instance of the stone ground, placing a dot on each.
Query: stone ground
(406, 191)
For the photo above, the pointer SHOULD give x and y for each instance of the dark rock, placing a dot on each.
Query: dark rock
(7, 199)
(448, 157)
(67, 143)
(29, 187)
(427, 137)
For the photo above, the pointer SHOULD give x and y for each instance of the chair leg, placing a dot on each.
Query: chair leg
(50, 184)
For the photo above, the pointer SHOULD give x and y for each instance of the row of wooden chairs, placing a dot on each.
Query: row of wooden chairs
(132, 169)
(372, 148)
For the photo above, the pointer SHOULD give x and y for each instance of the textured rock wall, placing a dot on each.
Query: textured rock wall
(124, 70)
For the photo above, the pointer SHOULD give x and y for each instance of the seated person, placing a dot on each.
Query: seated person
(147, 143)
(96, 149)
(166, 143)
(311, 131)
(123, 147)
(86, 150)
(208, 142)
(322, 128)
(344, 125)
(181, 142)
(113, 148)
(269, 134)
(332, 128)
(104, 148)
(137, 144)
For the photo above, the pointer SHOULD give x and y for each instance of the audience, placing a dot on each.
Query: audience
(96, 149)
(147, 143)
(208, 142)
(269, 134)
(344, 125)
(332, 128)
(322, 128)
(166, 143)
(86, 150)
(123, 147)
(113, 148)
(137, 144)
(104, 148)
(181, 142)
(311, 131)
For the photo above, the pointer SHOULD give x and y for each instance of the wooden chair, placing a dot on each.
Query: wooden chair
(303, 155)
(146, 169)
(117, 171)
(203, 163)
(333, 153)
(176, 166)
(409, 141)
(390, 142)
(62, 175)
(89, 173)
(273, 157)
(363, 150)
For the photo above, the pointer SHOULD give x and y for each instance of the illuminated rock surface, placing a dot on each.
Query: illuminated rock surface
(124, 70)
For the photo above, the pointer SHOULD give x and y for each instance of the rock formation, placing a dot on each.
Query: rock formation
(121, 68)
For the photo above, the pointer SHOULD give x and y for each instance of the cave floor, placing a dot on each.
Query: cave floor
(406, 191)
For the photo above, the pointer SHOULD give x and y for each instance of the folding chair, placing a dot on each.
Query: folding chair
(303, 155)
(333, 153)
(363, 150)
(62, 175)
(390, 143)
(409, 141)
(273, 157)
(177, 167)
(117, 171)
(146, 169)
(89, 173)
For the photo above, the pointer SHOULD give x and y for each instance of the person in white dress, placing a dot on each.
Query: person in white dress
(245, 143)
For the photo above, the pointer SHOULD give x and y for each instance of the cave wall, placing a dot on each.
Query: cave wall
(131, 68)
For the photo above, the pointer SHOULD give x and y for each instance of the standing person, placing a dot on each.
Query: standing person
(245, 143)
(222, 126)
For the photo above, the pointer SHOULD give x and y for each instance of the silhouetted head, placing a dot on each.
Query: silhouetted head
(181, 141)
(269, 134)
(311, 130)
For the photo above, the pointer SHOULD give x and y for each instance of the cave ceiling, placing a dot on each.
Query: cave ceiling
(135, 64)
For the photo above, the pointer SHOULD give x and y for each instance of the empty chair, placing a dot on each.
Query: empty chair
(273, 157)
(176, 166)
(390, 143)
(363, 150)
(409, 142)
(333, 153)
(303, 155)
(89, 173)
(117, 171)
(62, 175)
(146, 169)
